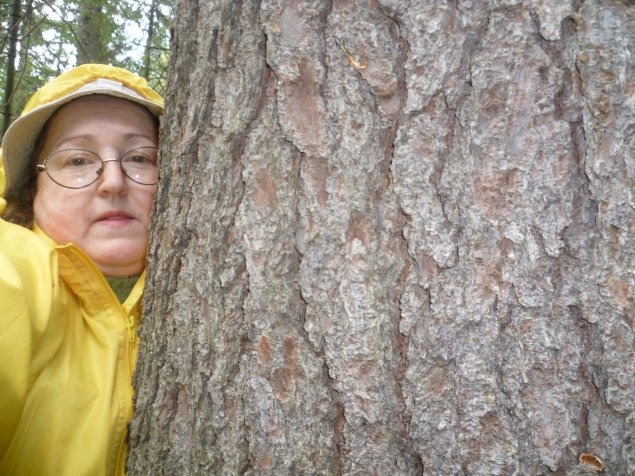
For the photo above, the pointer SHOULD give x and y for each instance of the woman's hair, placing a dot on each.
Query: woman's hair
(20, 193)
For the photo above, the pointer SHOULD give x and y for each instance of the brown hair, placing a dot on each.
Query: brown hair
(20, 193)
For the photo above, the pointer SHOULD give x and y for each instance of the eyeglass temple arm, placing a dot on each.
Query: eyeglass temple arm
(41, 168)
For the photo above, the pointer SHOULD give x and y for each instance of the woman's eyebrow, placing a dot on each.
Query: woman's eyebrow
(132, 135)
(71, 138)
(126, 136)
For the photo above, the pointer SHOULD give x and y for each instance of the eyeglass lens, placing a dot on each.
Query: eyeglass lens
(77, 168)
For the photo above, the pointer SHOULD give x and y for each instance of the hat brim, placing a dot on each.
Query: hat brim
(18, 141)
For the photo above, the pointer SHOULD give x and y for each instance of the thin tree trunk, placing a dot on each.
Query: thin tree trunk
(89, 48)
(392, 237)
(10, 75)
(146, 55)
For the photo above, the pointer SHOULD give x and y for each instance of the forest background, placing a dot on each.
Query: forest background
(41, 39)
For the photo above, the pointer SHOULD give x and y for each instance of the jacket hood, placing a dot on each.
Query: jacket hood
(18, 141)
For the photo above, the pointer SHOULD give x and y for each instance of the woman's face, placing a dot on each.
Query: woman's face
(109, 219)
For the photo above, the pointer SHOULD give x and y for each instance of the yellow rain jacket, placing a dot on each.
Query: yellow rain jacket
(67, 354)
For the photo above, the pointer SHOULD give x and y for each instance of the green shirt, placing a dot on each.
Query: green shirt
(122, 286)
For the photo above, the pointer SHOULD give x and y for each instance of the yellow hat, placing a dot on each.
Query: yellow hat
(18, 141)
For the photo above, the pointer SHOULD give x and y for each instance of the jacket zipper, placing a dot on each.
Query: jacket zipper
(119, 469)
(121, 453)
(131, 333)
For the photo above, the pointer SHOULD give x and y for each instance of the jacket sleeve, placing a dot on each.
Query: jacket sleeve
(15, 351)
(25, 304)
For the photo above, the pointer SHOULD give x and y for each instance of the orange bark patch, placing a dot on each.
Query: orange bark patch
(358, 227)
(283, 379)
(183, 408)
(264, 350)
(489, 200)
(592, 461)
(437, 382)
(290, 349)
(266, 191)
(428, 269)
(266, 462)
(525, 325)
(620, 292)
(305, 109)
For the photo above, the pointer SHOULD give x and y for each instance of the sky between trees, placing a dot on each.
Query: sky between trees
(41, 39)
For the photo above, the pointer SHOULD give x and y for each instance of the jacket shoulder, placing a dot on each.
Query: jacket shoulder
(27, 277)
(24, 248)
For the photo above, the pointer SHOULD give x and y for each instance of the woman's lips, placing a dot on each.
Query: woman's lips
(115, 217)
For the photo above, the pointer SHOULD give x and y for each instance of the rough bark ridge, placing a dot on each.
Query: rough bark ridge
(392, 237)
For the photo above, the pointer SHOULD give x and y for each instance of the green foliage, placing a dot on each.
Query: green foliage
(50, 35)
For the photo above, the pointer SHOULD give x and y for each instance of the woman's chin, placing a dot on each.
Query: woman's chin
(119, 257)
(124, 270)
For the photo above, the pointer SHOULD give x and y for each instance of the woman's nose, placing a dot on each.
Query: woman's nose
(112, 179)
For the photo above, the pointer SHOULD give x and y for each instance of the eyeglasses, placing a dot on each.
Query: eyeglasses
(79, 168)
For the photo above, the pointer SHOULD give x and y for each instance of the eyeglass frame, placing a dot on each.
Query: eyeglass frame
(42, 167)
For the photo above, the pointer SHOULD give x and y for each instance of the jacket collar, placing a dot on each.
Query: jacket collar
(81, 274)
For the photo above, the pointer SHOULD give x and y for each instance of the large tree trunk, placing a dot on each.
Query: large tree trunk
(392, 237)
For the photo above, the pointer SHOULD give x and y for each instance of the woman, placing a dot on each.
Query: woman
(80, 167)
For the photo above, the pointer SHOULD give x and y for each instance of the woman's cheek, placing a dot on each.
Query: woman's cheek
(60, 214)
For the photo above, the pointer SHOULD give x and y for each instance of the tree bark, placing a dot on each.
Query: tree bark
(89, 45)
(150, 38)
(9, 78)
(392, 237)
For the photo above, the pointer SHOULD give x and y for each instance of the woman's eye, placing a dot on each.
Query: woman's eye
(78, 161)
(141, 159)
